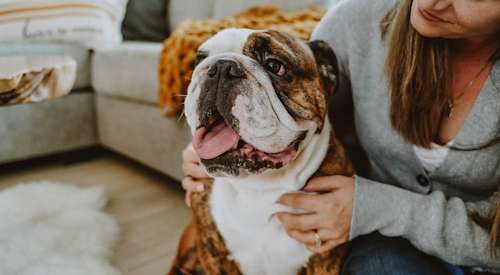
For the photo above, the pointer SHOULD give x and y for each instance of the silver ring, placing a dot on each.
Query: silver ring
(317, 240)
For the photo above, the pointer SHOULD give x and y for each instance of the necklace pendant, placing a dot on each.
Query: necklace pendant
(450, 109)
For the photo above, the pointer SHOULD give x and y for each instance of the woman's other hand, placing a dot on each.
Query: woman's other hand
(328, 202)
(193, 173)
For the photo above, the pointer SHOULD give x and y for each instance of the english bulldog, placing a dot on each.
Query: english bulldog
(256, 106)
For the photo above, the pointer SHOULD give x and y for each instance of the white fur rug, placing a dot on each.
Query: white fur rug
(56, 229)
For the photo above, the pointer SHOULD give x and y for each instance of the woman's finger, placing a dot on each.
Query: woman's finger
(305, 237)
(194, 170)
(320, 184)
(191, 185)
(302, 222)
(189, 154)
(302, 200)
(187, 199)
(325, 184)
(309, 237)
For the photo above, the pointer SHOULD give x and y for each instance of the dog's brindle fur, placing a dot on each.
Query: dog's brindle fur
(202, 249)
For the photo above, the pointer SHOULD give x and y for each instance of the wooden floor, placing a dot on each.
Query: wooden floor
(149, 207)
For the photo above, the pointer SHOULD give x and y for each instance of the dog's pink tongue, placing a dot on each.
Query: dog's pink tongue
(213, 143)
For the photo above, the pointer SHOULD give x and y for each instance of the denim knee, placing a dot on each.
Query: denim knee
(378, 255)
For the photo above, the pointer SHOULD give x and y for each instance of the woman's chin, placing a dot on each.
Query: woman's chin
(428, 29)
(431, 29)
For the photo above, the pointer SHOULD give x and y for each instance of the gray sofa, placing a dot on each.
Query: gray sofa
(114, 102)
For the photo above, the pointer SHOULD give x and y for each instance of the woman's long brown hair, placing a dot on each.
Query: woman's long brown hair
(420, 77)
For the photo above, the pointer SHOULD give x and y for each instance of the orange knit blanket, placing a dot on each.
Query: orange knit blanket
(179, 50)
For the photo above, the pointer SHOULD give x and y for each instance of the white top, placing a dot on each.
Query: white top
(432, 158)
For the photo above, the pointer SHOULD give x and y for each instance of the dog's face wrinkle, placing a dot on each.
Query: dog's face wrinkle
(200, 56)
(286, 47)
(292, 107)
(301, 78)
(261, 51)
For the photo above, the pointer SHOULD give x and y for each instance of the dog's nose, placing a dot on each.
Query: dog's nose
(226, 68)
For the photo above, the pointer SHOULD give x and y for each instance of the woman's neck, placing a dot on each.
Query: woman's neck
(480, 47)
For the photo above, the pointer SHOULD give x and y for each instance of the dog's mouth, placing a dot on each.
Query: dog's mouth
(218, 139)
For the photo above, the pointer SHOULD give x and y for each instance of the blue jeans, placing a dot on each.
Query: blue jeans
(375, 254)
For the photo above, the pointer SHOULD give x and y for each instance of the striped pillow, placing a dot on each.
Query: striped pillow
(93, 23)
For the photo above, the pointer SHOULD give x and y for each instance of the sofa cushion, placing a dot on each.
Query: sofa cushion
(48, 127)
(141, 132)
(128, 71)
(80, 54)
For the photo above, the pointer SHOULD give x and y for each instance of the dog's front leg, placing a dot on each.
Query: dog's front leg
(327, 263)
(212, 252)
(187, 261)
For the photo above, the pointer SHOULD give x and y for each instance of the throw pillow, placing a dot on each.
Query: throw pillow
(26, 79)
(145, 20)
(93, 23)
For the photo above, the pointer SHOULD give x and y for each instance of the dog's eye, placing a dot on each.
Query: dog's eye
(275, 67)
(200, 56)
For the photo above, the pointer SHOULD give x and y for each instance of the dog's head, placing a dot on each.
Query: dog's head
(256, 98)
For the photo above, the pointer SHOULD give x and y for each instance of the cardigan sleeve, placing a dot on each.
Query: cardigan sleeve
(434, 224)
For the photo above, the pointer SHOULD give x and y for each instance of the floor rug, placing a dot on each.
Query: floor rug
(49, 228)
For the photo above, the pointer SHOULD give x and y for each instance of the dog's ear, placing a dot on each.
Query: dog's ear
(326, 61)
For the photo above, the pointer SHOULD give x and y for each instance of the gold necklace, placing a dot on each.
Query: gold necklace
(451, 100)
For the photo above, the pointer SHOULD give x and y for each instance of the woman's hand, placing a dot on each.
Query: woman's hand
(329, 212)
(193, 172)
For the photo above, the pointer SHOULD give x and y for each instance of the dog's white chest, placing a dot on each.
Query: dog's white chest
(255, 238)
(243, 210)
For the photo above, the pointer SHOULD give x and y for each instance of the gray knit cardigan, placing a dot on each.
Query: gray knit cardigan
(398, 197)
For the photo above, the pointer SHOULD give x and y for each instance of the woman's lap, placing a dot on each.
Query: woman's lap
(375, 254)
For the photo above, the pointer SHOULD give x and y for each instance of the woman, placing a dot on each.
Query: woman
(425, 87)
